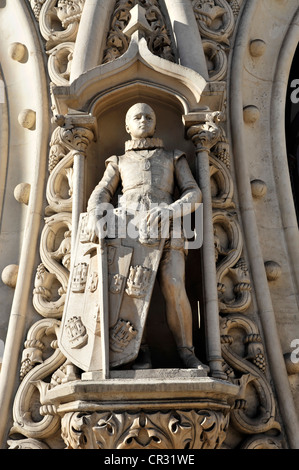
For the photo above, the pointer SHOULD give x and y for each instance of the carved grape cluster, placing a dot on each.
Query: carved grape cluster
(260, 362)
(26, 366)
(36, 6)
(53, 161)
(224, 157)
(222, 153)
(234, 4)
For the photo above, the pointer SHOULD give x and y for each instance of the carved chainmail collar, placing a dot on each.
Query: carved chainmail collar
(144, 144)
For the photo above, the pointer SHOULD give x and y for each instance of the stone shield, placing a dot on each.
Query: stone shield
(107, 302)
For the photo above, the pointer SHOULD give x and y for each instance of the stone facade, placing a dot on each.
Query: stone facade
(217, 73)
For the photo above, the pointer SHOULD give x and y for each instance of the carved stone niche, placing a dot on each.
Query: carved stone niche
(165, 409)
(107, 91)
(161, 408)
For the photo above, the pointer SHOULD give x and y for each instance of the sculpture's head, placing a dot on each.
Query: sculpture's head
(140, 121)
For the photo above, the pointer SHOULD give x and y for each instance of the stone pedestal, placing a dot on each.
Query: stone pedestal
(154, 409)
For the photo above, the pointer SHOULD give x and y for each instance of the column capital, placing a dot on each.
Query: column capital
(77, 131)
(202, 128)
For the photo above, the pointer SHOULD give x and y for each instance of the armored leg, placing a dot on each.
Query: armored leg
(178, 310)
(143, 360)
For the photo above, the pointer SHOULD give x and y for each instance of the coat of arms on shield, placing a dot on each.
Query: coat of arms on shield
(108, 297)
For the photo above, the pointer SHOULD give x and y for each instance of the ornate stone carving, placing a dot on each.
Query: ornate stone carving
(26, 444)
(30, 419)
(205, 135)
(251, 365)
(262, 441)
(76, 332)
(138, 258)
(247, 362)
(121, 335)
(216, 21)
(79, 277)
(204, 429)
(159, 41)
(55, 248)
(138, 281)
(52, 274)
(60, 63)
(36, 6)
(59, 22)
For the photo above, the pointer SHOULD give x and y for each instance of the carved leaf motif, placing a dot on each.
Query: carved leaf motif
(36, 6)
(167, 430)
(26, 444)
(159, 42)
(214, 428)
(48, 297)
(60, 62)
(215, 19)
(111, 430)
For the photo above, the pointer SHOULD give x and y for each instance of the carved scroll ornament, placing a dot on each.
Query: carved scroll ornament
(28, 421)
(242, 347)
(252, 366)
(216, 22)
(59, 23)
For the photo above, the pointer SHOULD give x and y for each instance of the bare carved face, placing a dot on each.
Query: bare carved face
(140, 121)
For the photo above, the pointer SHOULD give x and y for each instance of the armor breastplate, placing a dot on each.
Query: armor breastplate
(147, 177)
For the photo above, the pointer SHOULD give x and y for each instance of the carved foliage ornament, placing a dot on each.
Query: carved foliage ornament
(170, 430)
(59, 22)
(39, 360)
(245, 363)
(55, 248)
(253, 381)
(191, 429)
(216, 21)
(242, 349)
(159, 42)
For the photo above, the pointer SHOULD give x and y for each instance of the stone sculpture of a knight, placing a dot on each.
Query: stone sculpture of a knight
(148, 176)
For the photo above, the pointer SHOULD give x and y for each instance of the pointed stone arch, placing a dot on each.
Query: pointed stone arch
(177, 19)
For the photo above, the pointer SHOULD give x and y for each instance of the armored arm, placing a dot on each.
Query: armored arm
(190, 194)
(101, 195)
(104, 191)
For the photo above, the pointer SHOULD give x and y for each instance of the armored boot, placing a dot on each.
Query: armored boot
(143, 360)
(189, 359)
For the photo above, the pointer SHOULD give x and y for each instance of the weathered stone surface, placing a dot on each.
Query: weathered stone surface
(216, 72)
